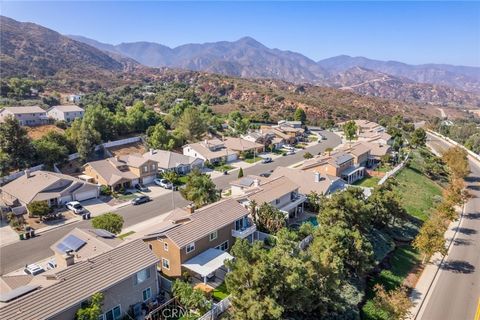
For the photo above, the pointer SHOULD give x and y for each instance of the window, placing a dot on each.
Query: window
(165, 246)
(165, 263)
(213, 235)
(145, 168)
(113, 314)
(190, 247)
(277, 201)
(223, 246)
(147, 294)
(153, 167)
(142, 276)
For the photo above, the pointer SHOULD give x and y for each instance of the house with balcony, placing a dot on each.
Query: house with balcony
(26, 116)
(281, 192)
(197, 241)
(125, 275)
(66, 113)
(213, 150)
(338, 164)
(121, 171)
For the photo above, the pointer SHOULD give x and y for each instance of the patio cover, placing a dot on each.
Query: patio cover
(207, 262)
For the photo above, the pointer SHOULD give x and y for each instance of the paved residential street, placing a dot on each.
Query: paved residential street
(18, 254)
(456, 291)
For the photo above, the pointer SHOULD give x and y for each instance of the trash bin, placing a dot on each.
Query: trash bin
(84, 216)
(22, 236)
(88, 215)
(27, 235)
(32, 233)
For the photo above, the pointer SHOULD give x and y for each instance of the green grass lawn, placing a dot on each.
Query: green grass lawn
(223, 167)
(124, 235)
(368, 182)
(402, 262)
(417, 193)
(253, 160)
(220, 292)
(181, 180)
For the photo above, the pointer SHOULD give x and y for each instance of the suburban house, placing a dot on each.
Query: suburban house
(197, 241)
(213, 150)
(337, 163)
(375, 137)
(172, 161)
(54, 188)
(290, 123)
(125, 275)
(265, 138)
(365, 126)
(370, 131)
(65, 112)
(26, 116)
(287, 133)
(81, 244)
(241, 145)
(280, 192)
(309, 181)
(122, 171)
(359, 151)
(377, 151)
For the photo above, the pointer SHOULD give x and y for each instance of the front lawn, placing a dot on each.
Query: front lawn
(220, 292)
(124, 235)
(252, 159)
(222, 167)
(181, 180)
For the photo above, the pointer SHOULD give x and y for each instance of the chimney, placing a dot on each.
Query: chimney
(317, 176)
(27, 173)
(152, 151)
(191, 208)
(65, 260)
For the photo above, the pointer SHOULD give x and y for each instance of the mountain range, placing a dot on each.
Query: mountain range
(31, 50)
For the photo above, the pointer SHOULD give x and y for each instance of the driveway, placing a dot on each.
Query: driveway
(96, 206)
(7, 234)
(156, 191)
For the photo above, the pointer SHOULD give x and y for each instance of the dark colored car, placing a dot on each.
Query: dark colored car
(265, 174)
(140, 200)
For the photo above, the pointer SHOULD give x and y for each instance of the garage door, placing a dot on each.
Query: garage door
(86, 195)
(147, 180)
(232, 157)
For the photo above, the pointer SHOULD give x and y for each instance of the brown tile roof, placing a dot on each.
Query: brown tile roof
(67, 108)
(168, 159)
(22, 110)
(206, 220)
(108, 170)
(17, 281)
(273, 189)
(202, 149)
(239, 144)
(306, 180)
(43, 185)
(80, 281)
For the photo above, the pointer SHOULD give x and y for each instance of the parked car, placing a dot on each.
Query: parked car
(75, 207)
(290, 152)
(51, 264)
(265, 174)
(140, 200)
(164, 183)
(267, 160)
(141, 187)
(33, 269)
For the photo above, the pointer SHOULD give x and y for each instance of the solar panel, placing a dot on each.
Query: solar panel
(71, 242)
(103, 233)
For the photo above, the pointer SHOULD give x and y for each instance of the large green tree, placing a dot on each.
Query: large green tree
(418, 138)
(269, 219)
(159, 138)
(200, 189)
(15, 144)
(350, 130)
(92, 310)
(191, 125)
(109, 221)
(300, 115)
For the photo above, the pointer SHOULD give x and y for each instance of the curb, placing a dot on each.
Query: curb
(439, 265)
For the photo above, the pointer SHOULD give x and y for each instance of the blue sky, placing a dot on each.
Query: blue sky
(412, 32)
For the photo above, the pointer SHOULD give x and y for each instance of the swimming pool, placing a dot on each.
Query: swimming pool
(313, 221)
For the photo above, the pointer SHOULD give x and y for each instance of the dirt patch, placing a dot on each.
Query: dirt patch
(412, 278)
(73, 168)
(38, 132)
(36, 223)
(127, 149)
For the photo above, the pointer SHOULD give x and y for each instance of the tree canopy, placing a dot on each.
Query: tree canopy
(200, 189)
(109, 221)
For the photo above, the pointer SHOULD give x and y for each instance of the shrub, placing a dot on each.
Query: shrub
(105, 190)
(111, 222)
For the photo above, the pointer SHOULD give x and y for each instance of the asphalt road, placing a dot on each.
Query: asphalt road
(18, 254)
(456, 292)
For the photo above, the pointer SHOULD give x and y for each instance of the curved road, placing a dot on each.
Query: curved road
(455, 293)
(18, 254)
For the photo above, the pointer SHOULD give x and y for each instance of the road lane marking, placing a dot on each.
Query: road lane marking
(477, 314)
